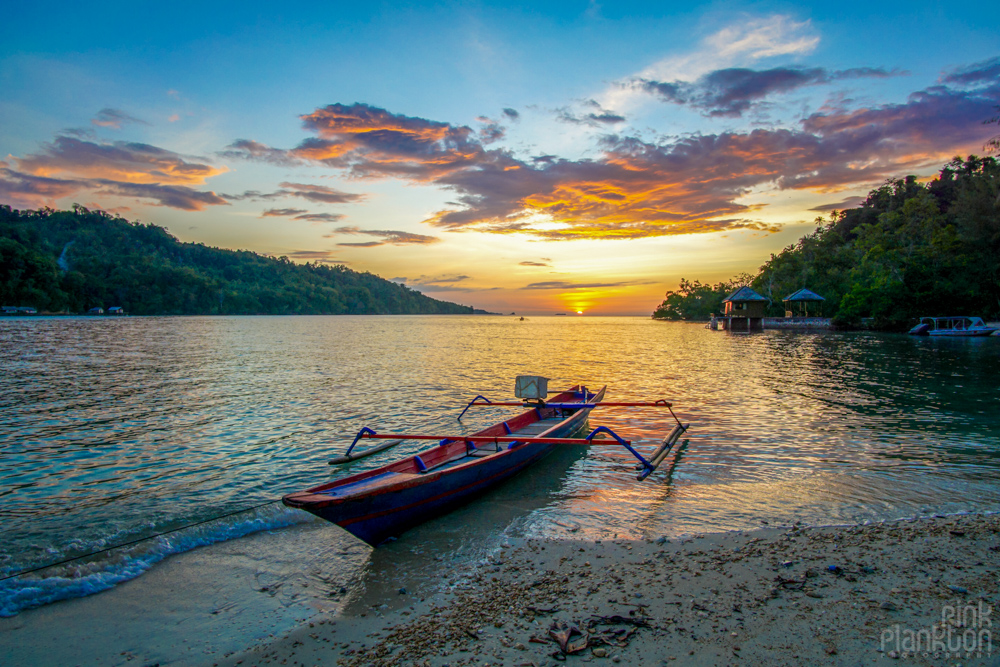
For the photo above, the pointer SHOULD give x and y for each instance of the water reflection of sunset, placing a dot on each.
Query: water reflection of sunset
(187, 417)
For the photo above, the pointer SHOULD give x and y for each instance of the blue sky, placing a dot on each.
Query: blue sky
(530, 158)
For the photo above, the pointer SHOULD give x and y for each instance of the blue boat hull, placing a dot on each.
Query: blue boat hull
(386, 502)
(374, 519)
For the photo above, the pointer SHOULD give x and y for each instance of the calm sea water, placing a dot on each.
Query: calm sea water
(117, 429)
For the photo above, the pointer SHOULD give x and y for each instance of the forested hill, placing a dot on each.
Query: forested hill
(71, 261)
(910, 250)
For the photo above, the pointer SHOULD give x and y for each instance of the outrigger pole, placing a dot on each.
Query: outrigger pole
(487, 403)
(367, 433)
(348, 457)
(647, 466)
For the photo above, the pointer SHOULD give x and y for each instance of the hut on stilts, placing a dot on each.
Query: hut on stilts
(744, 310)
(800, 301)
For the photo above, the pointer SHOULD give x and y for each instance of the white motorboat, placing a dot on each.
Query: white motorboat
(952, 326)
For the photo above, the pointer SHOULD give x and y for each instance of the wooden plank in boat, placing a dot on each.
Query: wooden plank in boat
(384, 479)
(537, 427)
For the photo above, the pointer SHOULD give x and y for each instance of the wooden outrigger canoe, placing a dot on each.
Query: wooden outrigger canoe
(377, 504)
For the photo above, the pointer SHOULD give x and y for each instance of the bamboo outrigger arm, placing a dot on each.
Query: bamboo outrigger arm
(661, 452)
(348, 457)
(658, 403)
(367, 433)
(487, 403)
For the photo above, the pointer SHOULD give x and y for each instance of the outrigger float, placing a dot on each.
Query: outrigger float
(377, 504)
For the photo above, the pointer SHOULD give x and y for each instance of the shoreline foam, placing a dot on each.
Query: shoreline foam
(106, 568)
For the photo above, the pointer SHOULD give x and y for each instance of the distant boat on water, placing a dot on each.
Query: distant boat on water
(961, 326)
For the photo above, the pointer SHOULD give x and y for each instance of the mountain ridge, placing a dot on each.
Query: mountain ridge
(75, 260)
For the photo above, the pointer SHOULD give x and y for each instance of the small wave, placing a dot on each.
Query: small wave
(82, 578)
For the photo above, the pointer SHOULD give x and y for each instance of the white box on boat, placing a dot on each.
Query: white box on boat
(531, 386)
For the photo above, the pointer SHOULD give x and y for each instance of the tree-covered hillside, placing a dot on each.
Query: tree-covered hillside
(909, 250)
(71, 261)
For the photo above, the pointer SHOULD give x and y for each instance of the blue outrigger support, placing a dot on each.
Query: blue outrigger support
(486, 401)
(604, 429)
(361, 434)
(654, 461)
(348, 457)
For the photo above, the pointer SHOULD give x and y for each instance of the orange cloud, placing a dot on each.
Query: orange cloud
(385, 236)
(636, 188)
(372, 142)
(121, 161)
(26, 191)
(69, 166)
(338, 120)
(172, 196)
(322, 150)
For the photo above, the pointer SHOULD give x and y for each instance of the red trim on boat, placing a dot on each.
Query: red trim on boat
(450, 492)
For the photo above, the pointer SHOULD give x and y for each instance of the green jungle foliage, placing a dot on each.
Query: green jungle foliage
(695, 301)
(71, 261)
(910, 250)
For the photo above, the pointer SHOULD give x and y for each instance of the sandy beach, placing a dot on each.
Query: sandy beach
(918, 591)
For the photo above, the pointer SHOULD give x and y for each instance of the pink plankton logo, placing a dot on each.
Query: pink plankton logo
(964, 631)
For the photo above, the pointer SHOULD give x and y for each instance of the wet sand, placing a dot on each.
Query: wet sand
(777, 596)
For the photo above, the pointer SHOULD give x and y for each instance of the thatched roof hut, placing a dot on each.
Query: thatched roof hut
(802, 298)
(745, 310)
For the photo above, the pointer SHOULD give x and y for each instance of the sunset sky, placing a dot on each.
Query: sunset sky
(530, 157)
